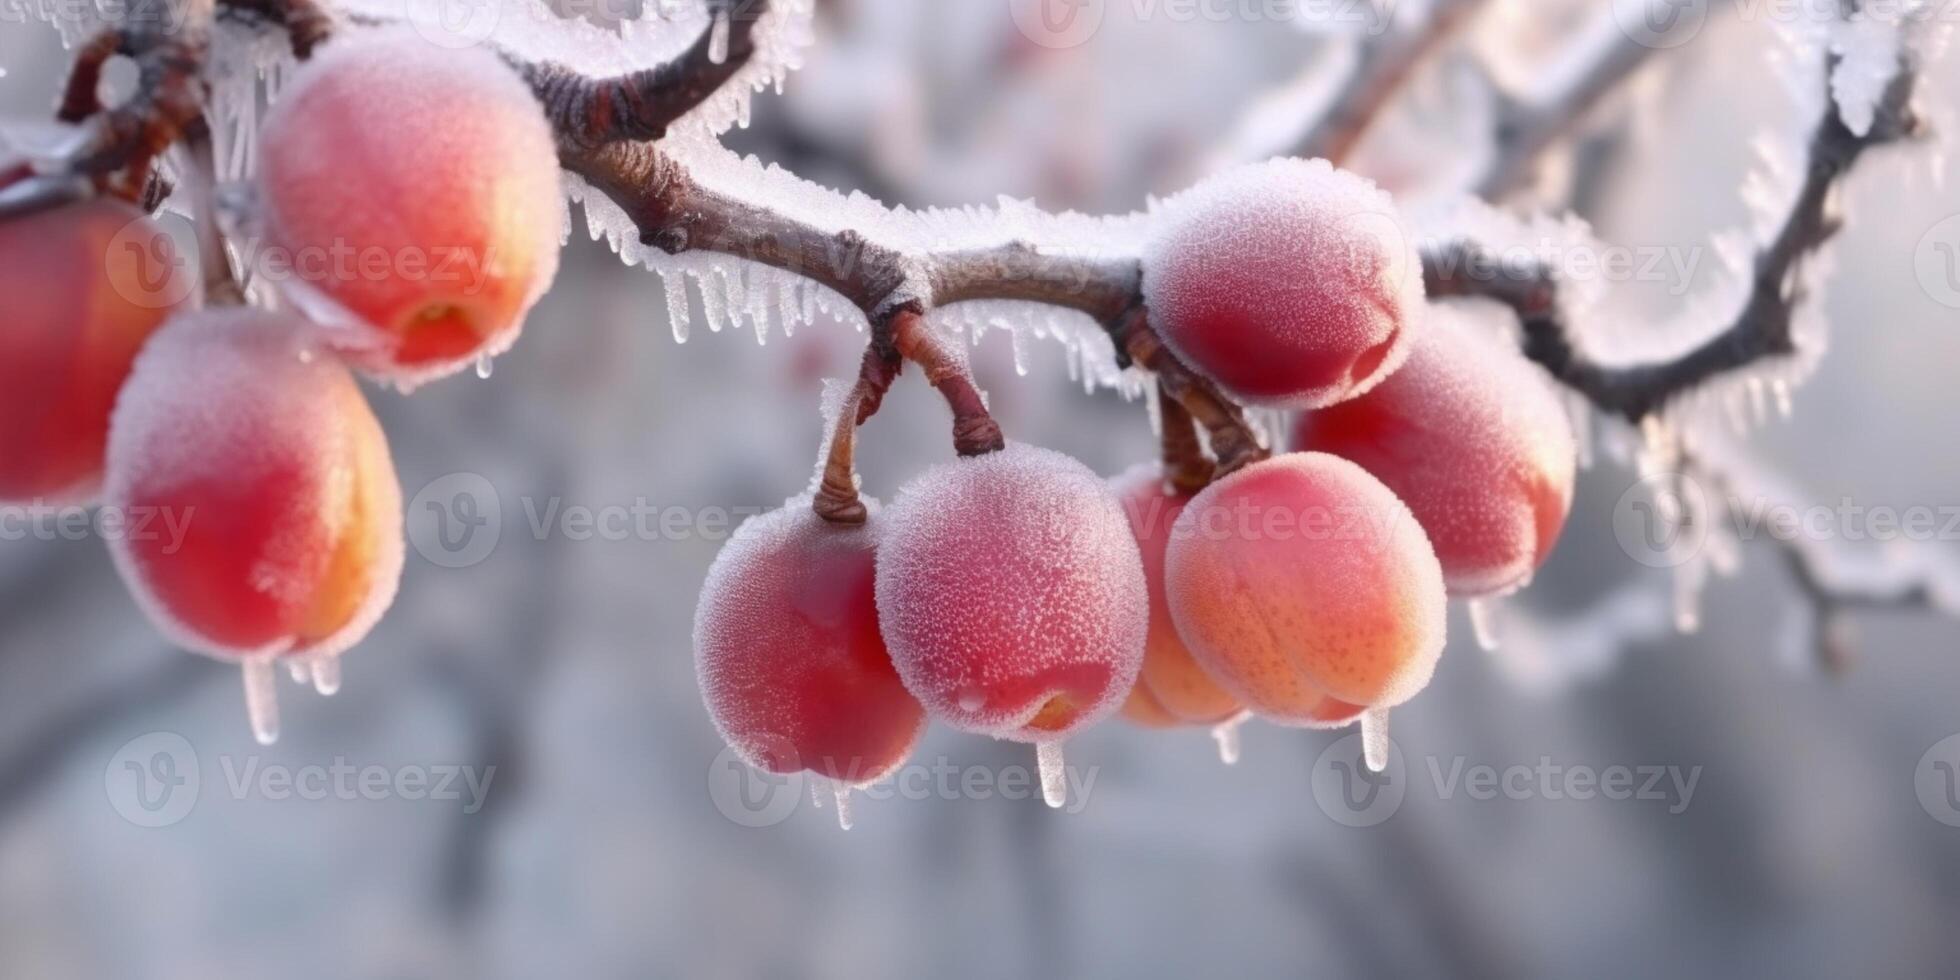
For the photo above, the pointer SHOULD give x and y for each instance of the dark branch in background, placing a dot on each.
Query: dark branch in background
(1383, 66)
(1828, 594)
(1760, 330)
(1526, 126)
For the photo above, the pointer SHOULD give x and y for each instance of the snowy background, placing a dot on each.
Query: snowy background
(601, 849)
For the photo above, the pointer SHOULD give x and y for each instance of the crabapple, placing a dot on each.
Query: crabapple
(271, 521)
(1289, 282)
(1306, 589)
(415, 191)
(1470, 436)
(84, 289)
(1011, 594)
(787, 647)
(1170, 683)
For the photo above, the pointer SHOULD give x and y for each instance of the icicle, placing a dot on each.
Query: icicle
(326, 676)
(842, 792)
(1374, 738)
(1689, 580)
(1020, 351)
(1153, 408)
(1054, 779)
(1483, 622)
(484, 366)
(1226, 734)
(262, 699)
(297, 670)
(676, 286)
(816, 790)
(1785, 404)
(718, 39)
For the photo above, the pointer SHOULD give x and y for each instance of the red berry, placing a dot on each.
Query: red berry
(791, 663)
(1301, 581)
(1012, 595)
(416, 189)
(84, 286)
(1470, 435)
(1290, 283)
(274, 521)
(1171, 683)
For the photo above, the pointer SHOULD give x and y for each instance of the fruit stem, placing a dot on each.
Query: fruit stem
(975, 433)
(1186, 466)
(1232, 438)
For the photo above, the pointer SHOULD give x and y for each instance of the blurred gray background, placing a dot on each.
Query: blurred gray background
(565, 664)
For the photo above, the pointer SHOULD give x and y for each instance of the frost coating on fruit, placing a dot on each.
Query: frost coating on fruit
(274, 517)
(84, 286)
(428, 237)
(1302, 579)
(1471, 436)
(788, 653)
(1171, 684)
(1291, 283)
(1011, 594)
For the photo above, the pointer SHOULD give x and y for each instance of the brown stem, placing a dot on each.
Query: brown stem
(1232, 439)
(83, 96)
(837, 493)
(974, 431)
(1185, 464)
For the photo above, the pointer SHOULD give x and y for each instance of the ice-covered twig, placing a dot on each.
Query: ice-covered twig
(1831, 581)
(588, 112)
(1603, 57)
(1382, 67)
(1760, 330)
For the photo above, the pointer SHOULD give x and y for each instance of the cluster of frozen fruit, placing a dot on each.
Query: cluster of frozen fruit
(1018, 595)
(1013, 594)
(407, 251)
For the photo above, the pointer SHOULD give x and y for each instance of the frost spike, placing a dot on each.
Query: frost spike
(1054, 783)
(262, 698)
(1374, 738)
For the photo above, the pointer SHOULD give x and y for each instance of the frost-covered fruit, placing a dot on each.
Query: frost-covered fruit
(1306, 589)
(1470, 435)
(1290, 283)
(416, 190)
(85, 286)
(787, 647)
(260, 504)
(1011, 594)
(1171, 682)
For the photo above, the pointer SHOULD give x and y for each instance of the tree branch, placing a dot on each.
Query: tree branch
(1760, 330)
(1382, 68)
